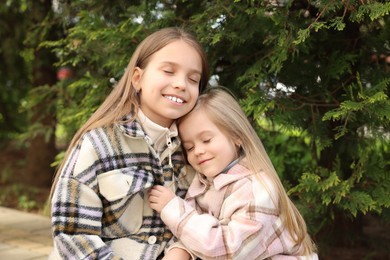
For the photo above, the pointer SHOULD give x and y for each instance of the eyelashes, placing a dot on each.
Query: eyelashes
(168, 72)
(189, 149)
(193, 79)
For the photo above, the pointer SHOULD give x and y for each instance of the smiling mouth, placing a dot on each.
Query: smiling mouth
(203, 161)
(175, 99)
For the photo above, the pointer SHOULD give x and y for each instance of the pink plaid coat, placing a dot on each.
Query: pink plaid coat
(231, 217)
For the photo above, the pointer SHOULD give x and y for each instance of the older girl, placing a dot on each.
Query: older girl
(99, 208)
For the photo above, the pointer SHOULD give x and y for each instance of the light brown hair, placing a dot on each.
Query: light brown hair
(225, 112)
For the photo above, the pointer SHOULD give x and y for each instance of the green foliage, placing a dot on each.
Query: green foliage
(97, 48)
(23, 197)
(365, 190)
(304, 74)
(26, 203)
(313, 77)
(315, 69)
(13, 81)
(374, 11)
(289, 161)
(366, 104)
(5, 174)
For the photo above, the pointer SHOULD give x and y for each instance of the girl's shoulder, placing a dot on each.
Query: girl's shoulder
(264, 190)
(130, 127)
(127, 126)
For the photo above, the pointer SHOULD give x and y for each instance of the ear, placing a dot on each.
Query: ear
(238, 142)
(136, 78)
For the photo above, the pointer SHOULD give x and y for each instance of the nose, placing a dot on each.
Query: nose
(179, 83)
(198, 150)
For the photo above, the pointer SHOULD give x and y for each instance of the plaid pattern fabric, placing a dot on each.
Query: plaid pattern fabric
(99, 207)
(231, 217)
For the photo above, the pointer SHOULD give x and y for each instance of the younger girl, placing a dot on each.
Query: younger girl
(99, 209)
(236, 207)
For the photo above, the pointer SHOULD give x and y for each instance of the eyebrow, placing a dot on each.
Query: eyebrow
(186, 143)
(177, 65)
(197, 136)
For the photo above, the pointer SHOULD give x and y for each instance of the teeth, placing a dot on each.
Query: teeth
(175, 99)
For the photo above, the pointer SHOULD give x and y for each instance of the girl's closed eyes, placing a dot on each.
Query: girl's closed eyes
(168, 71)
(172, 69)
(195, 79)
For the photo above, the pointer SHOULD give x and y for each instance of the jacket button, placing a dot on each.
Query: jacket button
(152, 240)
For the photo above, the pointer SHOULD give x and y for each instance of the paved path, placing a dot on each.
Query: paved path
(24, 236)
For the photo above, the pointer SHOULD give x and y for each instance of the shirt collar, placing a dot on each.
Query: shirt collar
(157, 134)
(235, 173)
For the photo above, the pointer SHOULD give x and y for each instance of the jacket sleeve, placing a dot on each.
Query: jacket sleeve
(77, 209)
(211, 238)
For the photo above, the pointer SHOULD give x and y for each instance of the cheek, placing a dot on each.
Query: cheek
(190, 158)
(194, 97)
(194, 90)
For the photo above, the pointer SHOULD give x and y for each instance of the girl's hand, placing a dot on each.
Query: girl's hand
(177, 254)
(159, 196)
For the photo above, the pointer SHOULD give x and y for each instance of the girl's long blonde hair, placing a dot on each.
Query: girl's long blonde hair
(124, 98)
(225, 112)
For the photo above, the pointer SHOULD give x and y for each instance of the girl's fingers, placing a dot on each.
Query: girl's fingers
(154, 192)
(158, 187)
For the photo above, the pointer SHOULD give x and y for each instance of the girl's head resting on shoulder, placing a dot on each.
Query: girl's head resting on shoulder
(222, 108)
(209, 147)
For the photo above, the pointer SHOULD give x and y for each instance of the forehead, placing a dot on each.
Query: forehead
(196, 124)
(179, 52)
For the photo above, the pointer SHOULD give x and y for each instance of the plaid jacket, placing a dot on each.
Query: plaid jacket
(100, 209)
(231, 217)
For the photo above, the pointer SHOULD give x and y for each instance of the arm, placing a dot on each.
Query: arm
(159, 196)
(73, 222)
(177, 253)
(77, 210)
(233, 234)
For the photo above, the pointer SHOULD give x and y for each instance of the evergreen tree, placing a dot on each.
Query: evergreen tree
(313, 77)
(26, 76)
(14, 81)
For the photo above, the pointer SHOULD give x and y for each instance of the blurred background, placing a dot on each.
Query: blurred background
(312, 76)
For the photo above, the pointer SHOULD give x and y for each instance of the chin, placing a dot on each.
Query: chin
(210, 175)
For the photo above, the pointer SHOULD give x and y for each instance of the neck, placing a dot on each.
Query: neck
(230, 165)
